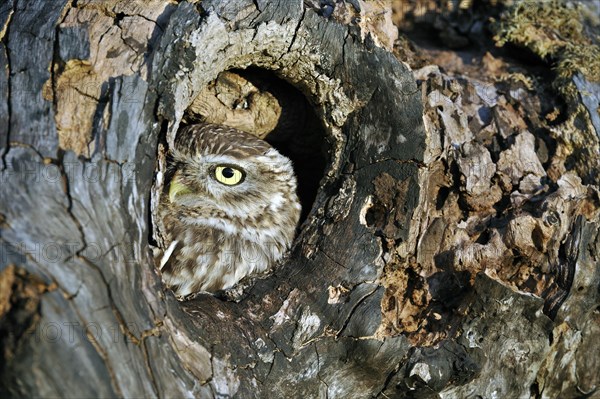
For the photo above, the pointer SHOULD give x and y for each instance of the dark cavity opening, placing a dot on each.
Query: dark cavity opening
(257, 101)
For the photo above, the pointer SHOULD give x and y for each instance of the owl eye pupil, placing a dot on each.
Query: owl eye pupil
(228, 175)
(228, 172)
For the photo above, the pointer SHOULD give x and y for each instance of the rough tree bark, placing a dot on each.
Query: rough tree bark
(445, 252)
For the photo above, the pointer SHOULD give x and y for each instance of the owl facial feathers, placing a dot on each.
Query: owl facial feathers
(234, 191)
(268, 174)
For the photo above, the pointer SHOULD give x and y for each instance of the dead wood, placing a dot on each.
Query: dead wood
(451, 247)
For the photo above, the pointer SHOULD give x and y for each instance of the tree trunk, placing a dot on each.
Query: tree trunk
(451, 248)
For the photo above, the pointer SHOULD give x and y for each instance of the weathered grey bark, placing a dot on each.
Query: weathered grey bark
(373, 300)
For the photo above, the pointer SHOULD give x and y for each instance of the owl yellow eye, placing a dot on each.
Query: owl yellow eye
(229, 175)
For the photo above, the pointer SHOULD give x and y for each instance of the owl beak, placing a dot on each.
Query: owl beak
(177, 188)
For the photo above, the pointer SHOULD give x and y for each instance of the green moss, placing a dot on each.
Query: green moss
(556, 31)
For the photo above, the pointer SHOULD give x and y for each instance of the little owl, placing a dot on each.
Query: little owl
(230, 209)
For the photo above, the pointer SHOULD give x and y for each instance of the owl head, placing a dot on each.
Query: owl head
(229, 175)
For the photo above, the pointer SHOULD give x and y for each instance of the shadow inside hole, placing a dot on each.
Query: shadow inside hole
(296, 131)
